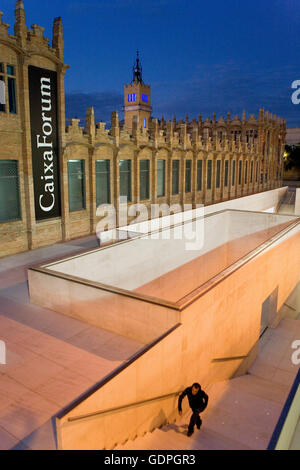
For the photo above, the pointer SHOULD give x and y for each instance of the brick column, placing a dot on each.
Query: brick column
(26, 148)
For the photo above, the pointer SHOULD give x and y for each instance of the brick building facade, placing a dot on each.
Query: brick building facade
(185, 162)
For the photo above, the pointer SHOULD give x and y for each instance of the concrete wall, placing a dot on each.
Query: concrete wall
(131, 317)
(159, 273)
(153, 374)
(217, 329)
(267, 200)
(181, 282)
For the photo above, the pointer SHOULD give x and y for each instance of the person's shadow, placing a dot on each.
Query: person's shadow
(180, 429)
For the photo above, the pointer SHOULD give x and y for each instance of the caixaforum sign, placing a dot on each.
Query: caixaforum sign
(44, 142)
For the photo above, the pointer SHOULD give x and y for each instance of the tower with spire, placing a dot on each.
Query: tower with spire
(137, 98)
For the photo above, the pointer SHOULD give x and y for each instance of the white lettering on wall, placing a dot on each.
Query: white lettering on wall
(45, 142)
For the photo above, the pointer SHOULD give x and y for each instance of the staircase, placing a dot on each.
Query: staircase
(173, 437)
(242, 412)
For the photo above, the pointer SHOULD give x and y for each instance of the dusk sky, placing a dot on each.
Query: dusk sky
(199, 57)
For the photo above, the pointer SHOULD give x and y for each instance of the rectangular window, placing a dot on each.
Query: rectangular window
(188, 176)
(10, 208)
(145, 98)
(12, 95)
(233, 173)
(1, 67)
(209, 173)
(218, 177)
(240, 172)
(145, 123)
(256, 179)
(2, 94)
(102, 182)
(246, 172)
(144, 179)
(175, 177)
(161, 177)
(251, 172)
(10, 70)
(132, 97)
(76, 176)
(199, 175)
(226, 173)
(125, 179)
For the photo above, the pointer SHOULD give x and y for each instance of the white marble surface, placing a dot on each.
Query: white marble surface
(137, 262)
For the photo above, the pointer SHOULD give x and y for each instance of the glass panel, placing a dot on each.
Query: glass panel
(161, 168)
(188, 176)
(226, 173)
(199, 175)
(2, 95)
(251, 173)
(10, 70)
(102, 182)
(218, 178)
(246, 172)
(125, 178)
(240, 172)
(209, 173)
(9, 191)
(233, 172)
(1, 67)
(144, 179)
(12, 95)
(76, 185)
(175, 177)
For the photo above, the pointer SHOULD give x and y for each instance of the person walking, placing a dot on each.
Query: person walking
(198, 400)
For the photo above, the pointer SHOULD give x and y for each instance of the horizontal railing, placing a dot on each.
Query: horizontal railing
(289, 306)
(123, 407)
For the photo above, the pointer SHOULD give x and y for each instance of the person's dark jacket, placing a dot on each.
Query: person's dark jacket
(196, 402)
